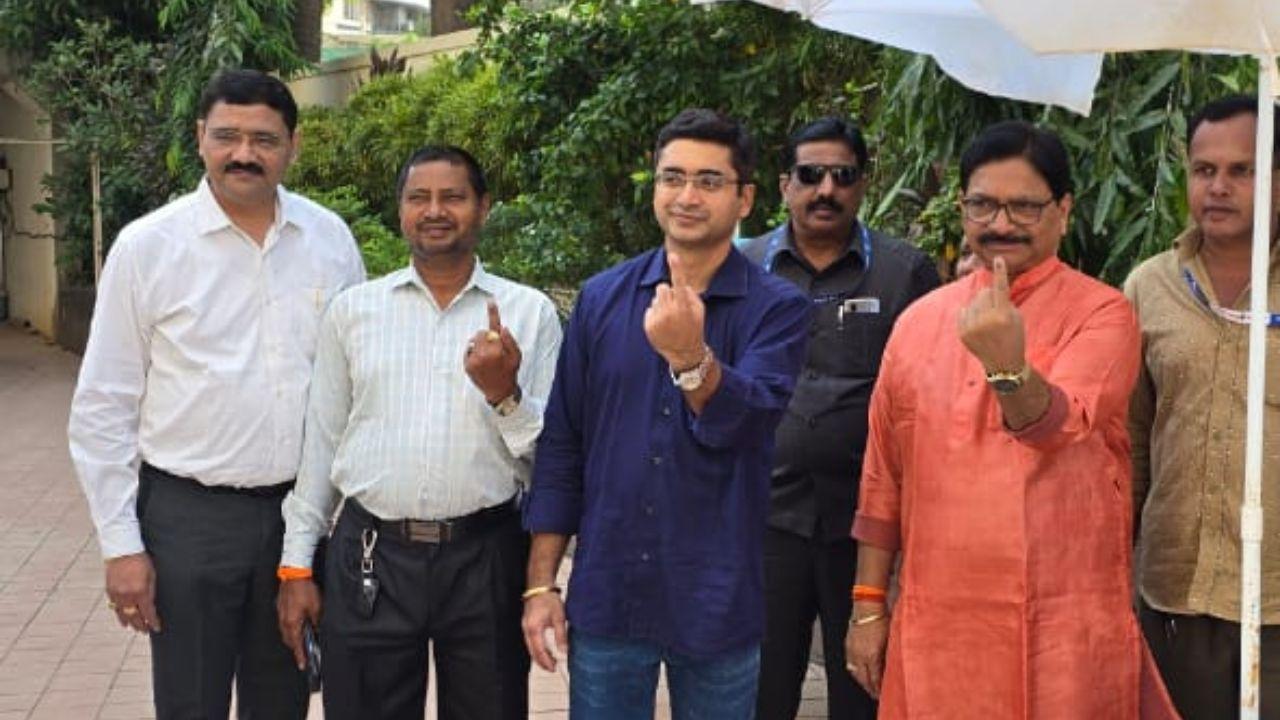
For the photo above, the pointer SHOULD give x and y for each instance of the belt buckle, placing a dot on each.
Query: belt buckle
(428, 531)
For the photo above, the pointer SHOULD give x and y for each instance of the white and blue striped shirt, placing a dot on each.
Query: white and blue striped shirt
(394, 421)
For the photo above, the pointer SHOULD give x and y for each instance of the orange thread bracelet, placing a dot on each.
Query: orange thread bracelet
(286, 573)
(868, 593)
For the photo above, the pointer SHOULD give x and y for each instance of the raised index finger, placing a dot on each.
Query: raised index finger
(1001, 282)
(679, 278)
(495, 320)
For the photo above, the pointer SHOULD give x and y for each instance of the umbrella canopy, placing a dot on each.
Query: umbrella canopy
(965, 40)
(1049, 52)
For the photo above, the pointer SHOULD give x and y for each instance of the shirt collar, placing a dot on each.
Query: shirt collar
(480, 280)
(729, 280)
(781, 239)
(1188, 244)
(210, 217)
(1024, 284)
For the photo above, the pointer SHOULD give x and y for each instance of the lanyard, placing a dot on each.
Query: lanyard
(775, 244)
(1240, 317)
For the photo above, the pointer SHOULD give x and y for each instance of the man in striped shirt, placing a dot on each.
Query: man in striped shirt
(425, 405)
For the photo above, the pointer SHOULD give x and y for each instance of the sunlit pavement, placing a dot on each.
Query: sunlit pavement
(62, 655)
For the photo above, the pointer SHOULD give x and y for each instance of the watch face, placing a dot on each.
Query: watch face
(689, 381)
(1005, 386)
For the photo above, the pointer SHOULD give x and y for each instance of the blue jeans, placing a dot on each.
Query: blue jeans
(616, 680)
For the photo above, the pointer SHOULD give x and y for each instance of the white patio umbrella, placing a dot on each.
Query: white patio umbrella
(1050, 52)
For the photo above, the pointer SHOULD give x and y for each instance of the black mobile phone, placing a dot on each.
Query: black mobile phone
(311, 648)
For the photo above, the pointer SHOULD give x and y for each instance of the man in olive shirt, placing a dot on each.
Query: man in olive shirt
(1187, 424)
(859, 281)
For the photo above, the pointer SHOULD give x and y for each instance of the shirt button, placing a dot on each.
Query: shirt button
(648, 510)
(666, 411)
(644, 557)
(656, 460)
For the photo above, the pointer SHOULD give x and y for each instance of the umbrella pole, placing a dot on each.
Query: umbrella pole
(1251, 512)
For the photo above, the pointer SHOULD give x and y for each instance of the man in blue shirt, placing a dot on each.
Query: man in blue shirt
(657, 444)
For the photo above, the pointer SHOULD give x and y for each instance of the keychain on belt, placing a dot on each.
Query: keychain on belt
(368, 581)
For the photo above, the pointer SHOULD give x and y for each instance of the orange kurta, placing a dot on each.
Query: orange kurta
(1015, 586)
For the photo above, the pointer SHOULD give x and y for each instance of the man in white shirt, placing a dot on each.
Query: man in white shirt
(186, 425)
(424, 409)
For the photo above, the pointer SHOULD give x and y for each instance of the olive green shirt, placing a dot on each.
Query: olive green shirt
(1187, 423)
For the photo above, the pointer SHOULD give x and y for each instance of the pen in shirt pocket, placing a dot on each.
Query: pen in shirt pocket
(857, 306)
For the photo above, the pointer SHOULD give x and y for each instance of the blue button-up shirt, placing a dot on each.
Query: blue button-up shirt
(669, 507)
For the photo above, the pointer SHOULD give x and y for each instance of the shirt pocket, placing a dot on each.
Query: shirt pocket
(852, 347)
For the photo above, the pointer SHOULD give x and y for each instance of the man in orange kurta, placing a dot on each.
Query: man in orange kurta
(998, 465)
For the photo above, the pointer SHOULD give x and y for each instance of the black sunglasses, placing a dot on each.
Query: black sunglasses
(841, 175)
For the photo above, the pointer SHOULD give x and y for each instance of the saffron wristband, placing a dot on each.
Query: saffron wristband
(286, 573)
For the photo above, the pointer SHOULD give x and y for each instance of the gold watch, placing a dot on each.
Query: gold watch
(1008, 383)
(508, 404)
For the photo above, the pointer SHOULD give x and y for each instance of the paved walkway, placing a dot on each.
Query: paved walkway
(62, 656)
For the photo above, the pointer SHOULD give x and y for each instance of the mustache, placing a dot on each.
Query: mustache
(987, 238)
(251, 167)
(432, 225)
(829, 203)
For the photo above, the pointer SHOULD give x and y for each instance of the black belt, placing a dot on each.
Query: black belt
(438, 531)
(263, 491)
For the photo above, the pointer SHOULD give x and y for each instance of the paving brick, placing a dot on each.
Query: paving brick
(62, 655)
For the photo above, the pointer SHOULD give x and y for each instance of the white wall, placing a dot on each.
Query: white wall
(337, 80)
(30, 254)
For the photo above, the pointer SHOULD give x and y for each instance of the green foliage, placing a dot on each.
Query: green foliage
(1128, 154)
(123, 78)
(97, 78)
(587, 88)
(364, 143)
(382, 249)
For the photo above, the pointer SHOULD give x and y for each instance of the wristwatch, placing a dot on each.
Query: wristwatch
(508, 404)
(692, 379)
(1008, 383)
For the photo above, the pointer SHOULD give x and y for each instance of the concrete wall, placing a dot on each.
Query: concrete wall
(337, 80)
(30, 253)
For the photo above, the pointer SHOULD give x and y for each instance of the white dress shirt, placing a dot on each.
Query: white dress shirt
(395, 422)
(200, 351)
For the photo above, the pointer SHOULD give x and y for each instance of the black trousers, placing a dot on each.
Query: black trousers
(807, 579)
(1199, 659)
(462, 596)
(215, 555)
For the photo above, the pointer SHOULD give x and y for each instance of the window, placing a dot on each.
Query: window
(351, 9)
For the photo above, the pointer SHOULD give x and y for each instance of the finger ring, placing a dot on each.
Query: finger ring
(492, 336)
(111, 605)
(129, 611)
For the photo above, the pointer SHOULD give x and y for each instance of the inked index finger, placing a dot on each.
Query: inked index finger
(495, 320)
(1000, 272)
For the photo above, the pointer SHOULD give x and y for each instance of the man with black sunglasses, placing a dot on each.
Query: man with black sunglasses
(859, 281)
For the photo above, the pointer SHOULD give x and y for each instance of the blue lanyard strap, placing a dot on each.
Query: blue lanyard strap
(775, 244)
(1239, 317)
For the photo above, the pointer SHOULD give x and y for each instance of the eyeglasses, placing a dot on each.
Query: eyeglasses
(983, 210)
(841, 175)
(706, 181)
(229, 137)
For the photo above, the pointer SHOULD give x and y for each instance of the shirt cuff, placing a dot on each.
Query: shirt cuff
(120, 539)
(883, 534)
(299, 549)
(549, 511)
(725, 411)
(523, 423)
(1049, 423)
